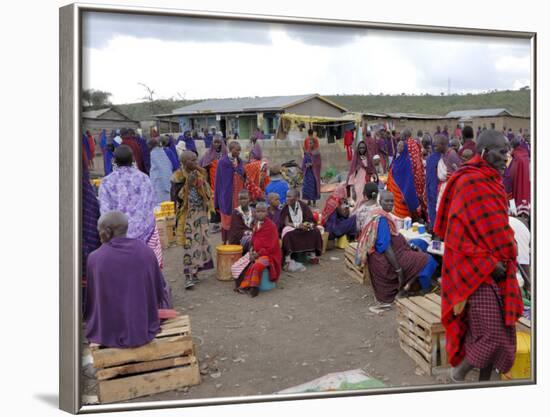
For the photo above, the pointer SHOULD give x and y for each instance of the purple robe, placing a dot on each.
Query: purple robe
(275, 216)
(130, 191)
(145, 153)
(312, 191)
(208, 139)
(432, 185)
(173, 156)
(223, 196)
(189, 143)
(256, 152)
(90, 215)
(125, 290)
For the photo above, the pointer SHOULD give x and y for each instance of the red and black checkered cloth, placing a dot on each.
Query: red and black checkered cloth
(472, 219)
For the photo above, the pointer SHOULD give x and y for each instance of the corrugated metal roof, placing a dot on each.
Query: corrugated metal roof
(238, 105)
(479, 113)
(416, 116)
(94, 114)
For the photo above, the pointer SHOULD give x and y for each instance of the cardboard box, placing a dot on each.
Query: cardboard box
(161, 227)
(171, 229)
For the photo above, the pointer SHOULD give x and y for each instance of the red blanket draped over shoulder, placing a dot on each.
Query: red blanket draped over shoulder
(265, 241)
(473, 221)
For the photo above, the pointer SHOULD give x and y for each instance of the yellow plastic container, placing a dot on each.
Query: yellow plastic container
(522, 365)
(342, 242)
(167, 206)
(227, 256)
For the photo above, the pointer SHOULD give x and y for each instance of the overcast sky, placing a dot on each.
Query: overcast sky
(199, 58)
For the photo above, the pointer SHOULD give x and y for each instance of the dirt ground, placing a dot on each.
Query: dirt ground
(314, 323)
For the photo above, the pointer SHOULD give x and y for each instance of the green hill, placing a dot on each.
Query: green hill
(517, 102)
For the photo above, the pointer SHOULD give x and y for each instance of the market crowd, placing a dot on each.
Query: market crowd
(469, 191)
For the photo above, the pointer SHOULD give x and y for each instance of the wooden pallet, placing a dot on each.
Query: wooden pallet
(359, 273)
(168, 362)
(421, 334)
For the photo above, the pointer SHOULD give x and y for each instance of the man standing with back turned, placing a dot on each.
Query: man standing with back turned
(480, 296)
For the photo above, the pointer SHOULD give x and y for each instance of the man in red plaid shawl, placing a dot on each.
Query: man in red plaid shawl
(481, 300)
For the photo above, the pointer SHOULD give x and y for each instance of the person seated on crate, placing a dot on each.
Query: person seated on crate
(298, 230)
(363, 212)
(265, 252)
(240, 231)
(191, 193)
(125, 288)
(395, 268)
(129, 190)
(274, 208)
(336, 215)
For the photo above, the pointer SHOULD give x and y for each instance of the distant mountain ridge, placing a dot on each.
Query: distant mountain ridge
(516, 101)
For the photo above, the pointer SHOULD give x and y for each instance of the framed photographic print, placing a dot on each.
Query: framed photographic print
(262, 208)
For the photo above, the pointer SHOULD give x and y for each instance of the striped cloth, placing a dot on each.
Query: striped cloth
(154, 243)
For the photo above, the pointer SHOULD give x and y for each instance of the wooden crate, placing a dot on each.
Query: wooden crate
(167, 363)
(421, 334)
(359, 273)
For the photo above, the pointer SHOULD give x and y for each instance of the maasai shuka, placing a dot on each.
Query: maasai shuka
(473, 221)
(332, 203)
(415, 153)
(367, 237)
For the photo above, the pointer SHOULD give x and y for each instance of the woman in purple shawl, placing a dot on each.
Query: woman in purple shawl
(230, 177)
(167, 143)
(130, 191)
(189, 142)
(255, 149)
(311, 167)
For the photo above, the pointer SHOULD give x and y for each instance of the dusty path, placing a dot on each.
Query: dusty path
(315, 323)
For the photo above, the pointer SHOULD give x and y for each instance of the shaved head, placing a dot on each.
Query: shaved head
(233, 145)
(123, 155)
(489, 139)
(294, 192)
(385, 193)
(187, 156)
(515, 141)
(275, 169)
(493, 147)
(112, 224)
